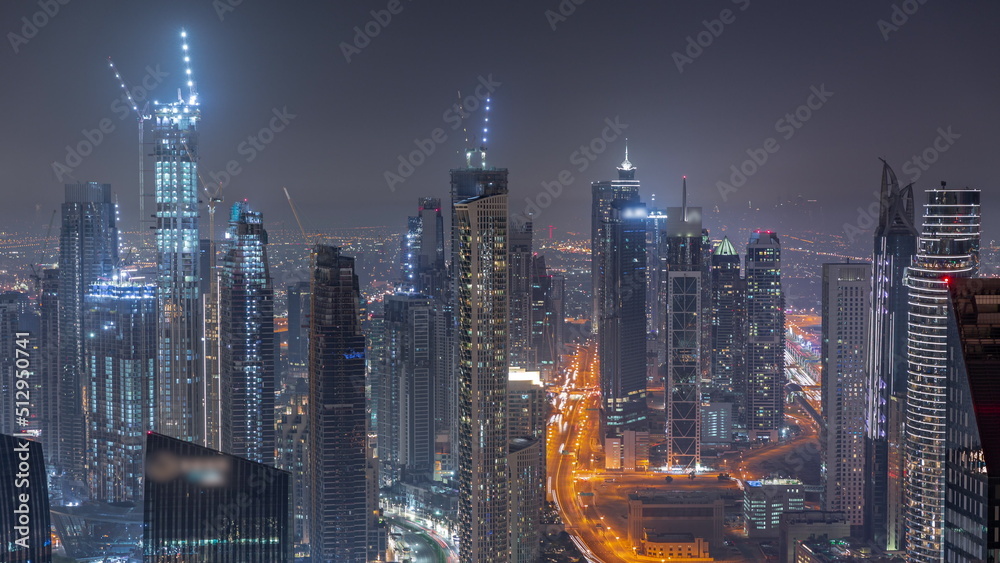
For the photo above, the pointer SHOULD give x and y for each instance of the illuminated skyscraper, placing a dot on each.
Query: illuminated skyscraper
(895, 245)
(481, 229)
(546, 317)
(765, 337)
(521, 352)
(846, 303)
(120, 364)
(246, 331)
(209, 289)
(621, 334)
(88, 253)
(684, 332)
(729, 325)
(343, 484)
(948, 248)
(181, 411)
(604, 193)
(298, 323)
(422, 253)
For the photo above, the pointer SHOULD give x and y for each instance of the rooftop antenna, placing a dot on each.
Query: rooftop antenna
(684, 199)
(193, 91)
(141, 117)
(486, 124)
(468, 151)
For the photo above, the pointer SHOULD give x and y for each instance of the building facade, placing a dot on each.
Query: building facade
(604, 193)
(765, 355)
(24, 501)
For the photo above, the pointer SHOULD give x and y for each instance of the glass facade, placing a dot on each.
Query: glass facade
(948, 248)
(728, 326)
(625, 188)
(203, 505)
(765, 356)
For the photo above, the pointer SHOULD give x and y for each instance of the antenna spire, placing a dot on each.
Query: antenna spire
(192, 89)
(486, 123)
(684, 199)
(626, 165)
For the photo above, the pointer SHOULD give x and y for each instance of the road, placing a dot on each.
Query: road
(419, 544)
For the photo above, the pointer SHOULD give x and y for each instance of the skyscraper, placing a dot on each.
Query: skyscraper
(765, 356)
(684, 332)
(895, 245)
(604, 193)
(298, 319)
(546, 317)
(422, 257)
(203, 505)
(24, 501)
(343, 520)
(622, 327)
(521, 351)
(846, 306)
(120, 368)
(88, 252)
(481, 228)
(181, 411)
(729, 325)
(527, 496)
(656, 296)
(209, 290)
(948, 248)
(246, 333)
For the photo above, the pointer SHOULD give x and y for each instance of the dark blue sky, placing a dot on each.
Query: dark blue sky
(556, 89)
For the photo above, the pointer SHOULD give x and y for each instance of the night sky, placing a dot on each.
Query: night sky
(897, 86)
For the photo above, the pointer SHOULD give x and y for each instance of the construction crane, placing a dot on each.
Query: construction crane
(36, 274)
(141, 117)
(295, 212)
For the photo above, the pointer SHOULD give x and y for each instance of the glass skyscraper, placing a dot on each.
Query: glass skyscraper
(948, 248)
(765, 357)
(728, 332)
(246, 333)
(603, 193)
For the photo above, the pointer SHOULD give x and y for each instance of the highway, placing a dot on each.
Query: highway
(418, 544)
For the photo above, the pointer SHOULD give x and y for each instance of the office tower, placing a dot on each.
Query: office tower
(120, 369)
(546, 317)
(683, 332)
(482, 310)
(604, 193)
(342, 481)
(246, 334)
(728, 321)
(622, 328)
(972, 497)
(88, 252)
(895, 245)
(181, 404)
(765, 501)
(203, 505)
(24, 501)
(48, 358)
(846, 302)
(948, 248)
(409, 251)
(292, 443)
(519, 285)
(209, 289)
(656, 351)
(422, 262)
(527, 496)
(298, 319)
(406, 425)
(765, 355)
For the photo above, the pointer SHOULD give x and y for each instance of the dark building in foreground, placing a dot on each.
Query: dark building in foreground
(203, 505)
(24, 502)
(972, 444)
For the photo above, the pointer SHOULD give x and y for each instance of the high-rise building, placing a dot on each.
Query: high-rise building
(527, 404)
(88, 253)
(203, 505)
(344, 519)
(298, 319)
(765, 501)
(972, 497)
(48, 358)
(24, 501)
(481, 224)
(604, 193)
(292, 443)
(656, 296)
(181, 403)
(765, 355)
(948, 248)
(522, 353)
(622, 324)
(846, 306)
(895, 245)
(527, 496)
(406, 425)
(209, 290)
(547, 316)
(422, 257)
(684, 332)
(246, 333)
(728, 318)
(120, 368)
(18, 336)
